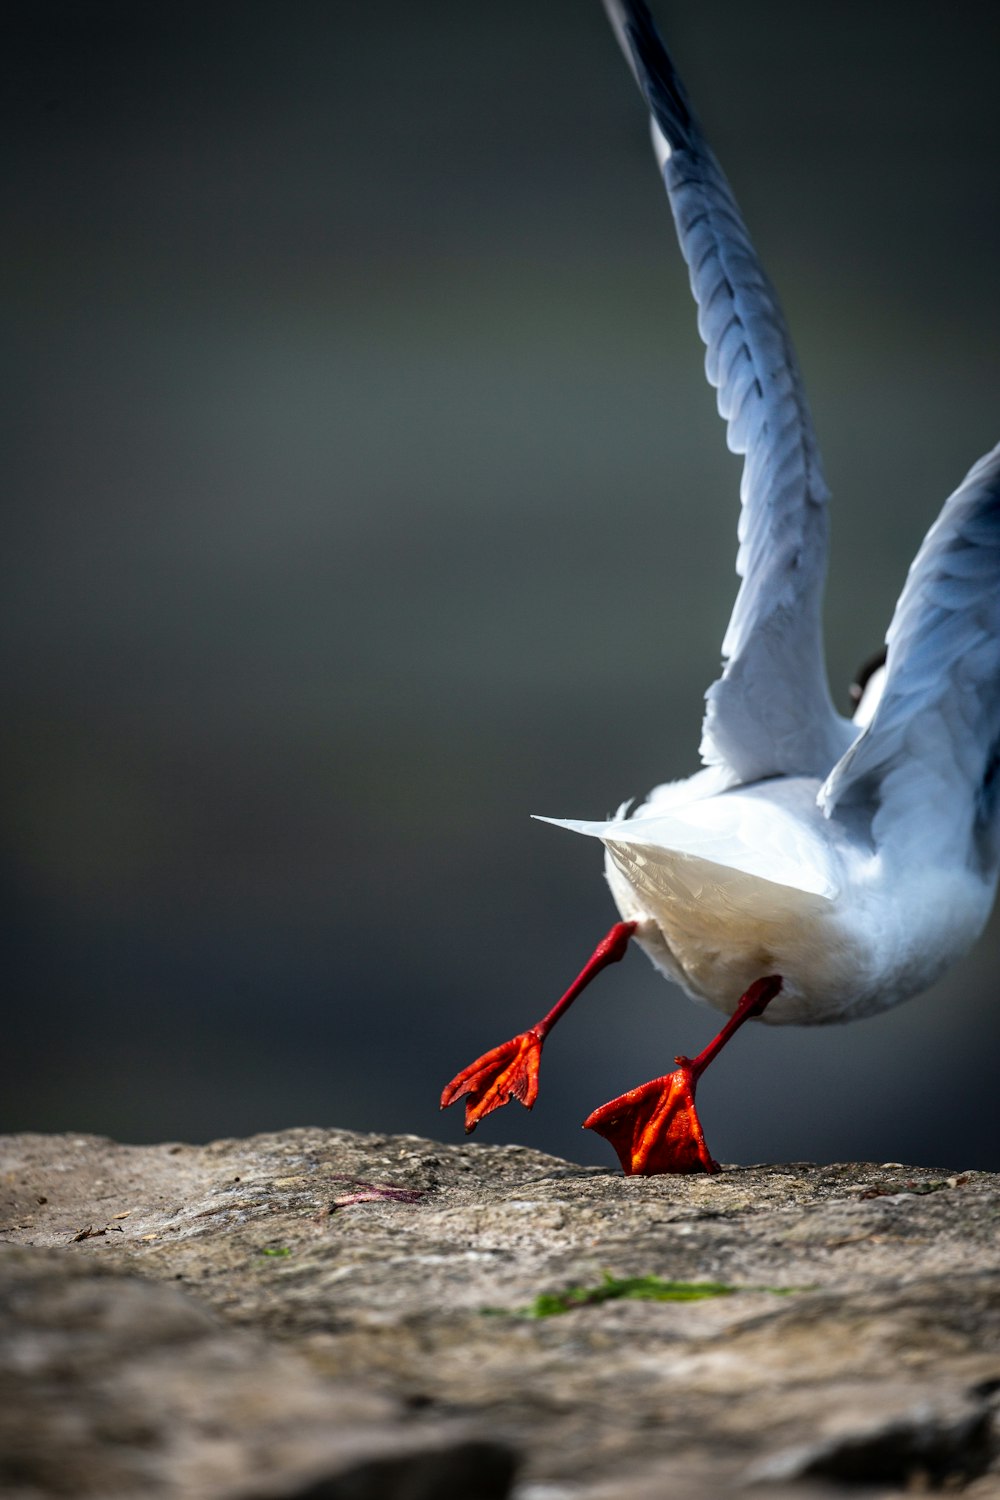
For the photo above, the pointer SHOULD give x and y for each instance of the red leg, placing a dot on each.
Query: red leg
(655, 1128)
(511, 1070)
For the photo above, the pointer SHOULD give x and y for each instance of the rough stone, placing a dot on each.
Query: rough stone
(328, 1314)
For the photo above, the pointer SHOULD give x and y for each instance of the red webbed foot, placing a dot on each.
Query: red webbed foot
(655, 1127)
(511, 1071)
(507, 1072)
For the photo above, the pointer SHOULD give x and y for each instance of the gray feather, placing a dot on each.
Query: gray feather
(936, 732)
(770, 712)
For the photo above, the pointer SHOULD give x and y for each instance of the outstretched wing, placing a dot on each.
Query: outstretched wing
(933, 744)
(770, 712)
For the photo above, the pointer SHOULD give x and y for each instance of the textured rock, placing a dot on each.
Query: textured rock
(336, 1301)
(112, 1385)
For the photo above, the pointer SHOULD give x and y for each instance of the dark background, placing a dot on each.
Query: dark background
(364, 495)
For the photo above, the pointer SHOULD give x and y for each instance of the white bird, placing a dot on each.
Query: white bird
(816, 869)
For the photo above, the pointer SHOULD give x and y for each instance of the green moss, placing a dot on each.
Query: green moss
(278, 1250)
(632, 1288)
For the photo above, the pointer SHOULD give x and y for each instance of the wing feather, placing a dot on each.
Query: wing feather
(770, 712)
(933, 744)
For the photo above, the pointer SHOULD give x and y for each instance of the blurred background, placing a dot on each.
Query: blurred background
(365, 495)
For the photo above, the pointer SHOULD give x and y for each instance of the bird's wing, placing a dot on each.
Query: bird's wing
(770, 712)
(933, 744)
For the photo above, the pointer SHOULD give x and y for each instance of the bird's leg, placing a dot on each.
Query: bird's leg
(655, 1127)
(511, 1070)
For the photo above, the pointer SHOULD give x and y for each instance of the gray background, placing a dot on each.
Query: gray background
(365, 495)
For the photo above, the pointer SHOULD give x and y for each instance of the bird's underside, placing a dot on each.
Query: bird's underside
(726, 886)
(816, 869)
(832, 940)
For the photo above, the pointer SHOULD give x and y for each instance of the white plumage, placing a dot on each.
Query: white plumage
(855, 859)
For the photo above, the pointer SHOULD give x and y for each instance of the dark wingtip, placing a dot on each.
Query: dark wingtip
(653, 69)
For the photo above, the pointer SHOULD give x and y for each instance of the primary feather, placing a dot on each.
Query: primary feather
(770, 712)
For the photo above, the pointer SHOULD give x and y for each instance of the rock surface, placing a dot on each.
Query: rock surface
(344, 1317)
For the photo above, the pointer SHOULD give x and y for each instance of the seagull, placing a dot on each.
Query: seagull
(816, 868)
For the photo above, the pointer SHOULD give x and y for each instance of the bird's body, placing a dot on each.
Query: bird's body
(726, 885)
(817, 868)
